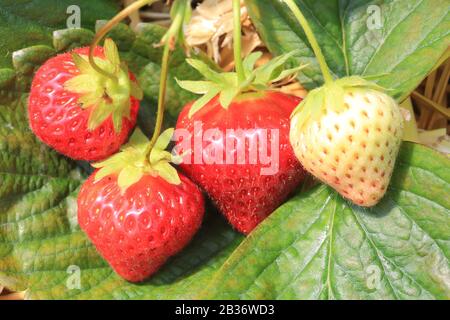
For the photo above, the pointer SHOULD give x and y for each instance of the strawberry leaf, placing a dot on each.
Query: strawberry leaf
(41, 244)
(401, 40)
(318, 246)
(25, 24)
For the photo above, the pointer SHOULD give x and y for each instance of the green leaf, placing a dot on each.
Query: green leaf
(34, 185)
(31, 22)
(158, 155)
(89, 99)
(400, 38)
(67, 39)
(136, 90)
(26, 59)
(318, 246)
(47, 265)
(40, 241)
(117, 117)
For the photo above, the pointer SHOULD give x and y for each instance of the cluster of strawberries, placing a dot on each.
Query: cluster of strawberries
(138, 210)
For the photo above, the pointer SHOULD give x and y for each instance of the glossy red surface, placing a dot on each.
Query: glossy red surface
(137, 231)
(58, 120)
(240, 191)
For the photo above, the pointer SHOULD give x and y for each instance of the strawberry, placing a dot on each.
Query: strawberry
(80, 112)
(242, 190)
(138, 212)
(347, 134)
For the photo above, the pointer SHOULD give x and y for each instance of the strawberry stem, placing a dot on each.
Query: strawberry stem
(161, 97)
(107, 27)
(237, 41)
(312, 40)
(169, 40)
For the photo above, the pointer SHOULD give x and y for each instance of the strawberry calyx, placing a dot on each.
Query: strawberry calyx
(228, 85)
(329, 97)
(105, 96)
(132, 162)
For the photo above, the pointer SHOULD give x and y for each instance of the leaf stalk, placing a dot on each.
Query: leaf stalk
(107, 27)
(169, 40)
(237, 41)
(312, 40)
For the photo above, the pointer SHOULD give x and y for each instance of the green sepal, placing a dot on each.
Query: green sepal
(329, 97)
(82, 65)
(105, 95)
(112, 53)
(98, 114)
(91, 98)
(159, 149)
(197, 87)
(226, 84)
(164, 139)
(128, 176)
(200, 103)
(167, 172)
(271, 72)
(82, 83)
(250, 62)
(356, 81)
(131, 163)
(206, 71)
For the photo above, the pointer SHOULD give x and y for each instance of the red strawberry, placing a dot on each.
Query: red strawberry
(137, 231)
(138, 212)
(79, 112)
(243, 187)
(241, 192)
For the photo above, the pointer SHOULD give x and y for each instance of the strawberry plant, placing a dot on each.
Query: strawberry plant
(306, 240)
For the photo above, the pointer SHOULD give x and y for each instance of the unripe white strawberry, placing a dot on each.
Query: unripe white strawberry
(347, 134)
